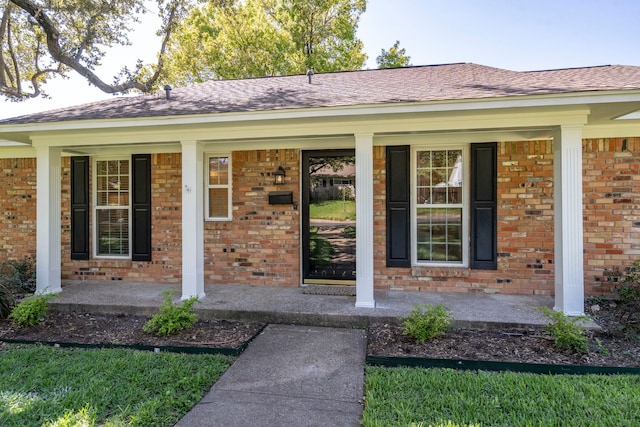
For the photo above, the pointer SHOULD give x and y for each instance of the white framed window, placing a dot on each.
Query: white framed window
(440, 206)
(218, 187)
(112, 208)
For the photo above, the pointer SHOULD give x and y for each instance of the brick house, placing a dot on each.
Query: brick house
(468, 179)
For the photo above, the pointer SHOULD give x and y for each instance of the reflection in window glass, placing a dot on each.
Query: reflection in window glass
(218, 170)
(439, 214)
(112, 207)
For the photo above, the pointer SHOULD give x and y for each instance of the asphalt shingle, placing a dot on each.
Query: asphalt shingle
(366, 87)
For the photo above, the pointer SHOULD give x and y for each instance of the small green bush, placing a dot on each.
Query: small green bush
(31, 310)
(350, 232)
(629, 288)
(566, 332)
(426, 322)
(19, 276)
(172, 318)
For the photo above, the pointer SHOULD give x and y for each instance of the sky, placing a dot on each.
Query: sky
(520, 35)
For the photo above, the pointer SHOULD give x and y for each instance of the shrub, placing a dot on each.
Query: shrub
(350, 232)
(629, 289)
(31, 310)
(426, 322)
(6, 301)
(19, 276)
(172, 318)
(320, 250)
(565, 331)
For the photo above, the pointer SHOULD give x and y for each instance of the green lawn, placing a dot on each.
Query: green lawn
(336, 210)
(46, 386)
(443, 397)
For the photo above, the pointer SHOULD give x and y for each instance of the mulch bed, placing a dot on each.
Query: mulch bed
(508, 345)
(84, 328)
(608, 346)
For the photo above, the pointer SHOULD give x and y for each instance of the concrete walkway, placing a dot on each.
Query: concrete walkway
(289, 376)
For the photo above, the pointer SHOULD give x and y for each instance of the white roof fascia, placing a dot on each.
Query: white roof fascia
(16, 152)
(468, 120)
(567, 99)
(616, 130)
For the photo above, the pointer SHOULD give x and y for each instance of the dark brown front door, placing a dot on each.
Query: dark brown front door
(328, 210)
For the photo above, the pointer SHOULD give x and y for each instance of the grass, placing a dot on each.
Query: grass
(335, 210)
(443, 397)
(46, 386)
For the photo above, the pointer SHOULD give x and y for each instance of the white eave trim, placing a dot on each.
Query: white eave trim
(524, 101)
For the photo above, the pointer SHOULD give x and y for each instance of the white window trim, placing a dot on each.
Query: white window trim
(465, 206)
(229, 187)
(95, 207)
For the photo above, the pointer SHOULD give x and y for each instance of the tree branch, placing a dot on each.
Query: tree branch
(74, 60)
(53, 45)
(3, 30)
(12, 52)
(169, 28)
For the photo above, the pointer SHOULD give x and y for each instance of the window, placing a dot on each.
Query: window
(112, 208)
(218, 203)
(342, 181)
(440, 211)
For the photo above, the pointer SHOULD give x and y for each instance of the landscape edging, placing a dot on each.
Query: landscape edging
(483, 365)
(226, 351)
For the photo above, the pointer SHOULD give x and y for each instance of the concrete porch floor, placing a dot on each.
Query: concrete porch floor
(289, 305)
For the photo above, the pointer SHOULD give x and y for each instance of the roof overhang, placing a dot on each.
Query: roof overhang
(539, 111)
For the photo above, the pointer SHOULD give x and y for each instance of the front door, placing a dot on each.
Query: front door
(329, 217)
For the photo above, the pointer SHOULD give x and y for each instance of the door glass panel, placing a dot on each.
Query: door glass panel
(331, 218)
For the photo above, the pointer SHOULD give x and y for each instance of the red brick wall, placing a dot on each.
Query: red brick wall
(525, 218)
(611, 185)
(17, 208)
(611, 188)
(525, 231)
(427, 278)
(166, 231)
(261, 246)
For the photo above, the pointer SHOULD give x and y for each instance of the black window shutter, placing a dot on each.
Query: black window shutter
(484, 228)
(80, 208)
(141, 209)
(398, 207)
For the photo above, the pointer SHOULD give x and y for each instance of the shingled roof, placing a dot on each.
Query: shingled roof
(352, 88)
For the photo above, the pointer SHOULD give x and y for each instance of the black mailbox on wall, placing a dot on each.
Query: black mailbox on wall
(281, 197)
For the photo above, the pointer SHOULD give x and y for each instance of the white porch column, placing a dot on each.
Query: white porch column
(567, 200)
(192, 220)
(364, 221)
(48, 210)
